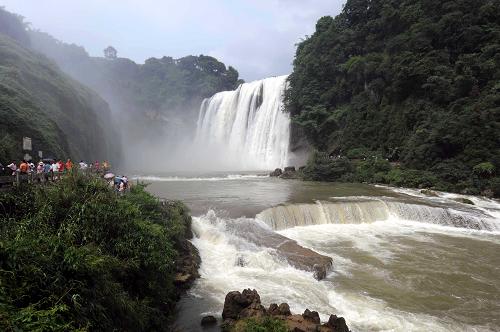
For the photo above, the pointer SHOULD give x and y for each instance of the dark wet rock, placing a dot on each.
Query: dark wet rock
(488, 193)
(338, 324)
(253, 310)
(463, 200)
(301, 168)
(240, 306)
(187, 265)
(429, 193)
(305, 259)
(277, 172)
(282, 310)
(273, 310)
(312, 316)
(289, 173)
(208, 321)
(236, 302)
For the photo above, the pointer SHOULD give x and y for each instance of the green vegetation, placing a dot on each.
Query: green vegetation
(63, 118)
(267, 324)
(76, 256)
(413, 82)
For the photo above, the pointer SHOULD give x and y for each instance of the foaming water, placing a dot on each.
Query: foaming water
(387, 277)
(401, 262)
(247, 127)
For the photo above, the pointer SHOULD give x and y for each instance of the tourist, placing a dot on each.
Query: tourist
(83, 165)
(24, 167)
(54, 170)
(13, 167)
(105, 166)
(39, 171)
(97, 166)
(60, 166)
(47, 168)
(117, 182)
(125, 181)
(69, 165)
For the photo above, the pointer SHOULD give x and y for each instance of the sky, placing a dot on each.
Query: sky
(257, 37)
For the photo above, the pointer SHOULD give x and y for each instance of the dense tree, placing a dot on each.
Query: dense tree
(110, 53)
(415, 82)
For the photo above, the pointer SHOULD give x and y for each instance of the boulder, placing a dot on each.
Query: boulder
(338, 324)
(277, 172)
(239, 306)
(428, 192)
(488, 193)
(282, 310)
(463, 200)
(208, 320)
(236, 302)
(289, 173)
(311, 316)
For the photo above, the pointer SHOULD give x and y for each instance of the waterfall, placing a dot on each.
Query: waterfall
(247, 125)
(350, 211)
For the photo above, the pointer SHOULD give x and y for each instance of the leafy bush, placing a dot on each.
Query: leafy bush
(322, 167)
(267, 324)
(75, 256)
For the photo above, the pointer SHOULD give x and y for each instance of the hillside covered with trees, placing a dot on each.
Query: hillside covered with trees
(403, 92)
(63, 118)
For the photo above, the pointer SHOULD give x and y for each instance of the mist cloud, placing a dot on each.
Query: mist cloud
(256, 37)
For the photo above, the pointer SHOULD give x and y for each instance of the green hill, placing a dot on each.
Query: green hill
(412, 82)
(63, 118)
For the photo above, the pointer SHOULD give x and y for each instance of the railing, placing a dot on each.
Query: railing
(19, 178)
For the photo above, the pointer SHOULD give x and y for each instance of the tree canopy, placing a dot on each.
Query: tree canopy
(415, 82)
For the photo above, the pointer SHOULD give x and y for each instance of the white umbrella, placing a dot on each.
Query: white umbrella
(109, 176)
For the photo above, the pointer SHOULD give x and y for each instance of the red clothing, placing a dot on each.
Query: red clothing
(69, 165)
(23, 168)
(61, 166)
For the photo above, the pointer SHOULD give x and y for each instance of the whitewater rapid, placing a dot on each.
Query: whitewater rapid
(400, 264)
(247, 128)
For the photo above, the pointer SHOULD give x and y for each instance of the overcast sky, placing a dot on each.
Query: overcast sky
(257, 37)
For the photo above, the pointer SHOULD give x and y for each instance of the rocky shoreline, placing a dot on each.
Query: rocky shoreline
(242, 309)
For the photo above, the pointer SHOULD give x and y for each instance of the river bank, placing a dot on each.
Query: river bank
(77, 256)
(377, 170)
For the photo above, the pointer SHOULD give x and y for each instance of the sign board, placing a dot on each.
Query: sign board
(40, 154)
(26, 143)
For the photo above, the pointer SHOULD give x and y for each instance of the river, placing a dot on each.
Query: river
(401, 261)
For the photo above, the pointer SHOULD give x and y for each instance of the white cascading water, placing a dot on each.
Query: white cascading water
(247, 125)
(368, 210)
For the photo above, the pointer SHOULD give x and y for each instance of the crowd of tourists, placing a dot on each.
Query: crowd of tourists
(47, 170)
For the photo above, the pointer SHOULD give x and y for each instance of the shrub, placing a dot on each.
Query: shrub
(76, 256)
(321, 167)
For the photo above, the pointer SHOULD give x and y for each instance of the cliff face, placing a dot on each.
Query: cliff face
(63, 118)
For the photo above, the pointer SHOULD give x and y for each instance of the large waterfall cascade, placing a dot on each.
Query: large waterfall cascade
(247, 124)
